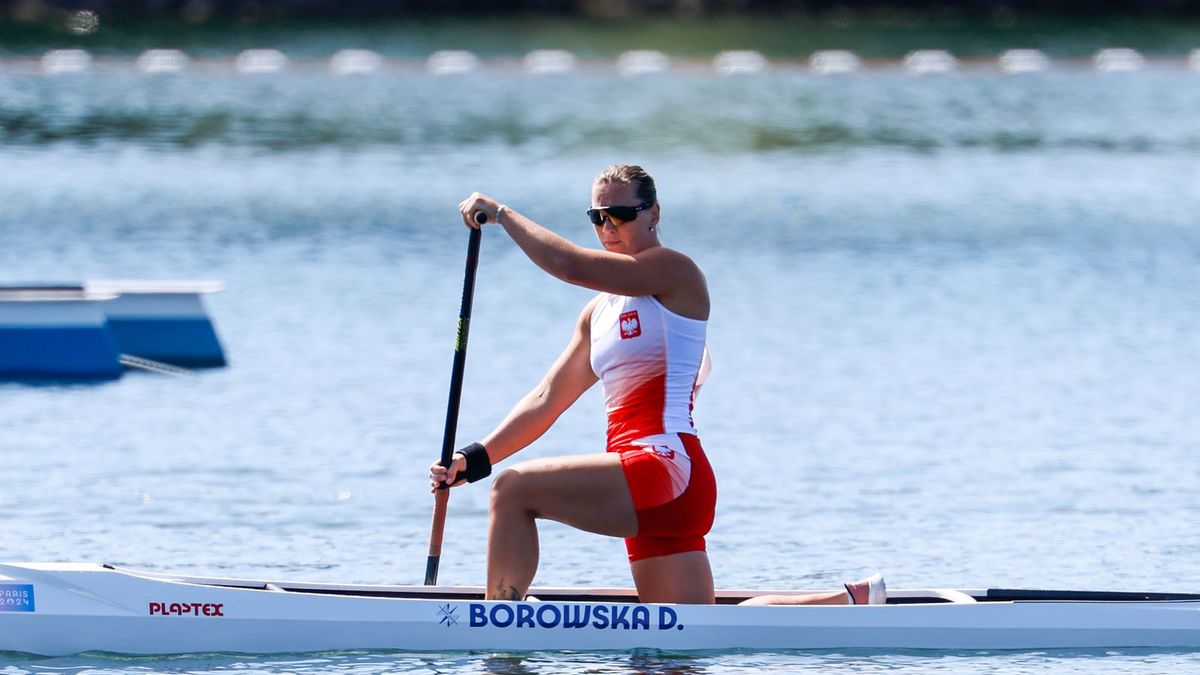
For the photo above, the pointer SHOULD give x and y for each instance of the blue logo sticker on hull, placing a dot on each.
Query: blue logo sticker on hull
(16, 598)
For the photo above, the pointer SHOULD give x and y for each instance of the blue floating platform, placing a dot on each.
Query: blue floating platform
(84, 331)
(162, 320)
(56, 333)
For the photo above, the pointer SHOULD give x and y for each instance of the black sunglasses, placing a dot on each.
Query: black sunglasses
(621, 213)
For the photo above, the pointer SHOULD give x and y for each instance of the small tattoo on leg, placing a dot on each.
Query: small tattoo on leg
(509, 593)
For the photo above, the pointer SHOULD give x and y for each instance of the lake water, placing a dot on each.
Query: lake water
(955, 331)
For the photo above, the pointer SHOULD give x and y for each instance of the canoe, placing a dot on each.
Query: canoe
(69, 608)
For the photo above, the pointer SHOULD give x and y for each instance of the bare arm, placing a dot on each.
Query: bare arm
(657, 271)
(563, 384)
(662, 272)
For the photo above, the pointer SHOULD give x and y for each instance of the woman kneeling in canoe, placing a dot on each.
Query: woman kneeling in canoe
(643, 337)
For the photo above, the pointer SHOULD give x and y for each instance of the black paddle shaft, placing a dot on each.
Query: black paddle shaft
(460, 346)
(452, 406)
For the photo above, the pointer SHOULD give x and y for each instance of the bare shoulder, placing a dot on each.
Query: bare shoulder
(686, 291)
(671, 260)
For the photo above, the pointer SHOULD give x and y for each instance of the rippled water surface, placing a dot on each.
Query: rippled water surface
(955, 330)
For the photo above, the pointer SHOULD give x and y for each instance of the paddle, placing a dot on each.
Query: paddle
(441, 498)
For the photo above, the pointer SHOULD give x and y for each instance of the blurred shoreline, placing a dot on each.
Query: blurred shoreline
(198, 11)
(870, 33)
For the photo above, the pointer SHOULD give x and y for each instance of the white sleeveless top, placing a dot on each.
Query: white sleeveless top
(649, 361)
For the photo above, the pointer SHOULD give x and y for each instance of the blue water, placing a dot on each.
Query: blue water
(955, 331)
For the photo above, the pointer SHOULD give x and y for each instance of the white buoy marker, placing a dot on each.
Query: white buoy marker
(642, 62)
(153, 61)
(260, 61)
(452, 62)
(739, 62)
(930, 62)
(355, 62)
(63, 61)
(1016, 61)
(549, 62)
(834, 62)
(1118, 60)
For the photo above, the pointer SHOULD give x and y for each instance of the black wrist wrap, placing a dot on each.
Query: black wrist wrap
(479, 465)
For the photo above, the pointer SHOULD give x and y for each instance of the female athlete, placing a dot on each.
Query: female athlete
(643, 338)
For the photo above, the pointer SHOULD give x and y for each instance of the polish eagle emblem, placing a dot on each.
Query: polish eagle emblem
(631, 327)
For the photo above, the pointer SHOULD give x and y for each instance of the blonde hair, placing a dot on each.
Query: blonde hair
(631, 174)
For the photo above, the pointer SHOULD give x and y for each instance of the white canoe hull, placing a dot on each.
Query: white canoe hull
(59, 609)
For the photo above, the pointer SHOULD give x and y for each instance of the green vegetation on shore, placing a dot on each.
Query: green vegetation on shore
(783, 36)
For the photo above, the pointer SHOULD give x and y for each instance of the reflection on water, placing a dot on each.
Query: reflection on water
(650, 663)
(547, 116)
(1125, 661)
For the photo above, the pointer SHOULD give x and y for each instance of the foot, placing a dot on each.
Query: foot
(869, 591)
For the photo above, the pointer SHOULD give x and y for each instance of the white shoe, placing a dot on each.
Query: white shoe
(869, 591)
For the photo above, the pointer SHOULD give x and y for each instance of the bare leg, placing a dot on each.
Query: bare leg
(869, 591)
(831, 598)
(684, 578)
(586, 492)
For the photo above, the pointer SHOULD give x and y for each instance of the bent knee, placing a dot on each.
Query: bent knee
(506, 484)
(511, 490)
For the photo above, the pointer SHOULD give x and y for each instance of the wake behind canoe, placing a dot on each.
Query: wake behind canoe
(68, 608)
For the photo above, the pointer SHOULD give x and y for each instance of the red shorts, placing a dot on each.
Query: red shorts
(674, 505)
